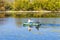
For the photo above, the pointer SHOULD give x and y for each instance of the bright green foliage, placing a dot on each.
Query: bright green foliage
(37, 5)
(52, 5)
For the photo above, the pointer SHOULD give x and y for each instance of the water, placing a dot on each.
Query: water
(12, 29)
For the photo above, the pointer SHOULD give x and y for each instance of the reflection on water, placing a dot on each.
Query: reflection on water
(2, 21)
(13, 29)
(30, 14)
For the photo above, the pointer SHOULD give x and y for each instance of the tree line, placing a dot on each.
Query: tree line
(37, 5)
(32, 5)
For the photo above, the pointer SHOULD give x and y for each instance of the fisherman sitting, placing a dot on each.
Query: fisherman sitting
(30, 26)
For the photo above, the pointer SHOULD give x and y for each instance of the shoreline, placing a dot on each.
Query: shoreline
(26, 11)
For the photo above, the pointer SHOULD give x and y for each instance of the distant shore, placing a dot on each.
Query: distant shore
(28, 14)
(26, 11)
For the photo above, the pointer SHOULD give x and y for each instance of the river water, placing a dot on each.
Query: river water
(12, 29)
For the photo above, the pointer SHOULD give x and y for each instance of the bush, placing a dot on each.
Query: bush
(51, 5)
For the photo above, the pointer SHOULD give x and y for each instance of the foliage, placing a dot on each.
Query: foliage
(53, 5)
(34, 5)
(2, 5)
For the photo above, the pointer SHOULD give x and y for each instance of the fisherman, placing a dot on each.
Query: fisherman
(38, 26)
(30, 24)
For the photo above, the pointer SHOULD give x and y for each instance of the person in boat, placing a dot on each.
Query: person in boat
(31, 23)
(30, 26)
(38, 26)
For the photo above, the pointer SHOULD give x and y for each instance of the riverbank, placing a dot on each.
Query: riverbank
(26, 11)
(28, 14)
